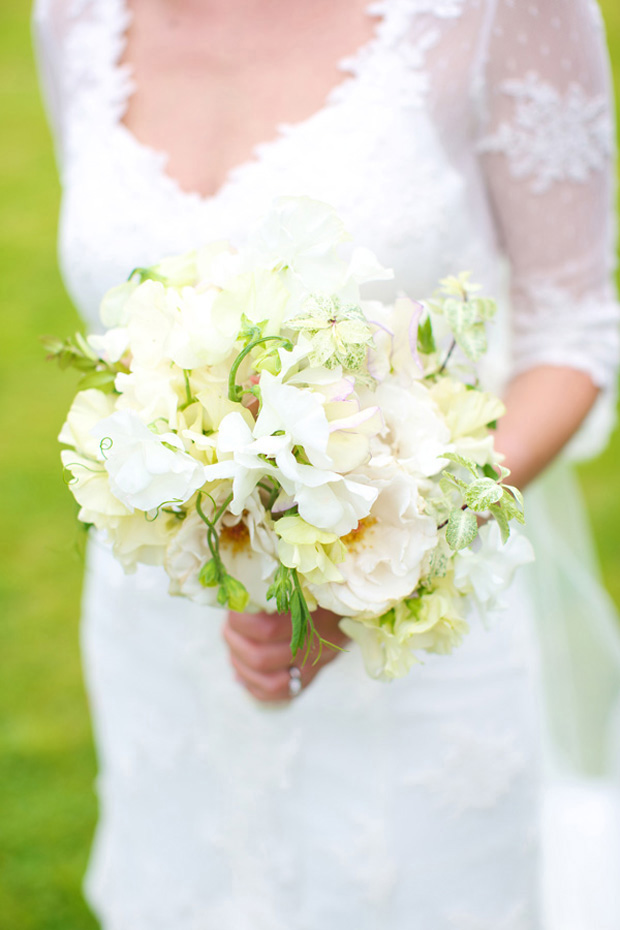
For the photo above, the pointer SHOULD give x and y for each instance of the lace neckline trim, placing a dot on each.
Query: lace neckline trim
(117, 18)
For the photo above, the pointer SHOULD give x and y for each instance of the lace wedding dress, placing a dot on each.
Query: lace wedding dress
(467, 134)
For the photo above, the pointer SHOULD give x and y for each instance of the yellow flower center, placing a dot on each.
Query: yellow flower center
(355, 539)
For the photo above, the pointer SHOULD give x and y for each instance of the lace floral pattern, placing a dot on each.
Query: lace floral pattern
(219, 813)
(553, 136)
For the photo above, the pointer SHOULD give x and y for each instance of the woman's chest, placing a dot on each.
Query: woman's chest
(374, 149)
(212, 81)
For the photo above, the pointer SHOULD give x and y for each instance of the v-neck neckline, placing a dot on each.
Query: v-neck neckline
(350, 65)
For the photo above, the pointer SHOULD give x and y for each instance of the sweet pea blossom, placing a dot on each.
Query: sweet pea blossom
(313, 552)
(467, 414)
(482, 575)
(146, 470)
(175, 325)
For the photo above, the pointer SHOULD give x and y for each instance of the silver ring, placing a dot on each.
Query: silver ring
(294, 681)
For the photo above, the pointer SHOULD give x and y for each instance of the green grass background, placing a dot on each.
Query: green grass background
(47, 764)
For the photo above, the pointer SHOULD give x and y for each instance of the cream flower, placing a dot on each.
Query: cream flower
(90, 486)
(259, 295)
(395, 337)
(166, 323)
(247, 549)
(384, 648)
(314, 553)
(87, 409)
(430, 623)
(385, 553)
(136, 539)
(467, 414)
(416, 433)
(111, 345)
(152, 393)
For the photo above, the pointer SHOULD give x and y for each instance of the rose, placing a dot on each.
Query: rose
(385, 552)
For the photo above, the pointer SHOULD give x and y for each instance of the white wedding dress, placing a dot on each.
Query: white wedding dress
(468, 134)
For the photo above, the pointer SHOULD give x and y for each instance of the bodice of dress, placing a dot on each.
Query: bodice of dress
(465, 133)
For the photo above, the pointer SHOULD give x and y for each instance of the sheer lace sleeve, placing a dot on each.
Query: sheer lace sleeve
(547, 152)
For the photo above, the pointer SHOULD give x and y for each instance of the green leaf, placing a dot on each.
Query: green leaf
(473, 341)
(300, 615)
(462, 529)
(101, 380)
(461, 460)
(482, 493)
(460, 314)
(489, 472)
(484, 307)
(281, 588)
(511, 507)
(502, 521)
(426, 339)
(516, 493)
(449, 482)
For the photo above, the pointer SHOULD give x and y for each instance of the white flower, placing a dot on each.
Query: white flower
(258, 295)
(111, 345)
(416, 433)
(177, 325)
(330, 501)
(385, 552)
(467, 414)
(298, 414)
(90, 486)
(152, 393)
(485, 573)
(146, 470)
(302, 236)
(247, 464)
(113, 308)
(325, 499)
(137, 539)
(430, 623)
(87, 409)
(385, 652)
(395, 351)
(314, 553)
(247, 548)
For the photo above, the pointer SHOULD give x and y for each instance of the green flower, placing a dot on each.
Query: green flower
(339, 333)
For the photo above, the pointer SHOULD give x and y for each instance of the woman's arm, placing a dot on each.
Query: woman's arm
(546, 149)
(544, 408)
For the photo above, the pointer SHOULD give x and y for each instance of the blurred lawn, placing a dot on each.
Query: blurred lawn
(47, 765)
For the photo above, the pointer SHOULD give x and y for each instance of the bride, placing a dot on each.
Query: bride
(449, 135)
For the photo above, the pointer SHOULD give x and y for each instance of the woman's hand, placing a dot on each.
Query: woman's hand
(260, 651)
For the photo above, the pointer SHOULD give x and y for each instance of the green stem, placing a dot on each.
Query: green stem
(447, 358)
(235, 393)
(188, 391)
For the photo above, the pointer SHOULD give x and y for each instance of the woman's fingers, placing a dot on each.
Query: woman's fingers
(260, 651)
(261, 627)
(266, 686)
(262, 657)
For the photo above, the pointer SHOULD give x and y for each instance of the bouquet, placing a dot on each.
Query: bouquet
(275, 442)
